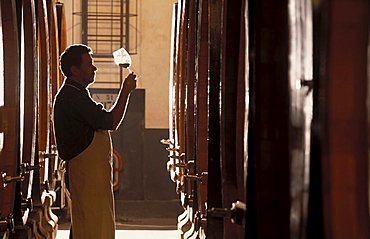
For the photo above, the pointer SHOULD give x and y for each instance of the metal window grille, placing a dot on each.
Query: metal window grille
(107, 25)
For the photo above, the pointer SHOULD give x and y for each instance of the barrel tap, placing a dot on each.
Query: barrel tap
(236, 213)
(5, 179)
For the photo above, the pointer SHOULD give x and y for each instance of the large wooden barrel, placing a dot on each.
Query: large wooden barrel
(9, 101)
(215, 228)
(272, 85)
(182, 185)
(226, 128)
(55, 84)
(195, 98)
(181, 93)
(269, 151)
(28, 107)
(182, 127)
(25, 116)
(30, 82)
(172, 93)
(22, 91)
(279, 126)
(201, 118)
(62, 33)
(232, 112)
(341, 206)
(177, 100)
(187, 87)
(54, 47)
(45, 92)
(9, 107)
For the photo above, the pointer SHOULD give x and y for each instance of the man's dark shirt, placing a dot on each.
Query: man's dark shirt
(76, 118)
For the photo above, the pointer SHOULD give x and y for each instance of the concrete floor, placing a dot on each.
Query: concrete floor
(134, 234)
(138, 220)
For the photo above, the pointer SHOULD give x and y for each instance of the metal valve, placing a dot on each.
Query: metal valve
(45, 155)
(179, 157)
(236, 213)
(186, 199)
(26, 168)
(27, 203)
(61, 169)
(308, 83)
(166, 142)
(9, 179)
(188, 165)
(196, 176)
(171, 167)
(200, 219)
(193, 177)
(172, 149)
(181, 165)
(7, 223)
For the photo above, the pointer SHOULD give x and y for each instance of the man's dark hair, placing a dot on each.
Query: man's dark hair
(72, 57)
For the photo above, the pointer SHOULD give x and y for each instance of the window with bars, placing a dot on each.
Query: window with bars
(107, 25)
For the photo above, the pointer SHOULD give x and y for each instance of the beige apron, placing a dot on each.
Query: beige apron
(90, 177)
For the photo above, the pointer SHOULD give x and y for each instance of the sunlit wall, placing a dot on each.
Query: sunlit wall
(151, 63)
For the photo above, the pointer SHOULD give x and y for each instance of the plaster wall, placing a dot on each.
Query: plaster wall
(151, 61)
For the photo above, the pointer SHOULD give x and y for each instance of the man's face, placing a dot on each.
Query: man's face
(87, 70)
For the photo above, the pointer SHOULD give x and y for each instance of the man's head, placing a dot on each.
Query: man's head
(76, 63)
